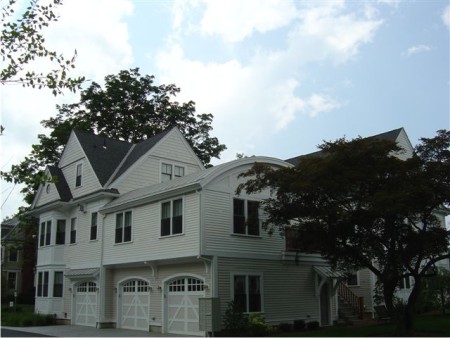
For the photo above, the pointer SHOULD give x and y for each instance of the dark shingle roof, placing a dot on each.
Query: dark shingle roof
(104, 154)
(391, 135)
(139, 150)
(61, 184)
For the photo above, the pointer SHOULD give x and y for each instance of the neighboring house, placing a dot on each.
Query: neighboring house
(12, 257)
(132, 235)
(362, 282)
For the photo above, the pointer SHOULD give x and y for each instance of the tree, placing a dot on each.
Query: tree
(130, 107)
(23, 44)
(360, 206)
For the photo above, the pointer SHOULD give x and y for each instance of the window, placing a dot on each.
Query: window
(79, 175)
(123, 227)
(73, 230)
(405, 283)
(352, 280)
(166, 172)
(172, 217)
(12, 280)
(13, 255)
(247, 292)
(93, 226)
(169, 171)
(58, 284)
(60, 231)
(42, 289)
(45, 233)
(245, 217)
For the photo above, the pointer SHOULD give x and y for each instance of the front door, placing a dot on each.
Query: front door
(325, 305)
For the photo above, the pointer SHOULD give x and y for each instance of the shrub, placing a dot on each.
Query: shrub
(299, 325)
(257, 325)
(235, 322)
(313, 325)
(285, 327)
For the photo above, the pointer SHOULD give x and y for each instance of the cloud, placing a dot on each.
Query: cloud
(236, 20)
(393, 3)
(446, 16)
(417, 49)
(319, 103)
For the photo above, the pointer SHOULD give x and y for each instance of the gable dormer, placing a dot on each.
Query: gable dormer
(56, 191)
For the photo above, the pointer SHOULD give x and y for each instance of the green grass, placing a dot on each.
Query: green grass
(425, 326)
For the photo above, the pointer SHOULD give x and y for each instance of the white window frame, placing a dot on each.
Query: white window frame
(73, 228)
(41, 288)
(15, 280)
(123, 213)
(247, 274)
(92, 226)
(54, 284)
(44, 233)
(356, 273)
(173, 169)
(246, 201)
(171, 234)
(9, 254)
(79, 173)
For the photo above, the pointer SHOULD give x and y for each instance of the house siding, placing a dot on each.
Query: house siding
(146, 241)
(288, 289)
(365, 288)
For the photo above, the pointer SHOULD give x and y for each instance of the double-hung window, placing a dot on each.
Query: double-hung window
(73, 230)
(12, 280)
(169, 171)
(58, 284)
(172, 217)
(79, 175)
(247, 292)
(13, 255)
(42, 289)
(245, 217)
(352, 279)
(45, 233)
(60, 231)
(94, 217)
(123, 227)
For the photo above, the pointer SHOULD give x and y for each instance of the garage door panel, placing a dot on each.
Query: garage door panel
(182, 306)
(135, 304)
(86, 304)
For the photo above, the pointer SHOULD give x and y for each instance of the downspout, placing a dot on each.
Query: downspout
(102, 275)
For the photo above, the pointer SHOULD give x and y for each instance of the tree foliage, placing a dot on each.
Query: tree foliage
(129, 107)
(23, 45)
(360, 206)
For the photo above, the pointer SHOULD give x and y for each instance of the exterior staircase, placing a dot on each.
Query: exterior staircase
(351, 307)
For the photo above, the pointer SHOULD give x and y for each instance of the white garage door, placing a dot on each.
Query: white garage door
(135, 303)
(182, 306)
(86, 304)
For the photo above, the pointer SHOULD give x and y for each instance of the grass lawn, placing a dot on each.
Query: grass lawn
(426, 326)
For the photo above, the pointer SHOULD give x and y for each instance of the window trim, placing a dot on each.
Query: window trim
(248, 274)
(356, 273)
(173, 167)
(42, 284)
(73, 230)
(61, 284)
(123, 213)
(94, 226)
(16, 254)
(45, 233)
(171, 201)
(246, 215)
(79, 175)
(58, 232)
(15, 280)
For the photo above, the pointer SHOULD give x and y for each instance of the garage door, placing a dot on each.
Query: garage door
(86, 304)
(135, 303)
(182, 305)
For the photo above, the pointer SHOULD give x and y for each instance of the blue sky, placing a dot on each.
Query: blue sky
(278, 76)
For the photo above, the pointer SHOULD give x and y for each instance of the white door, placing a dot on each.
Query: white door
(182, 306)
(86, 304)
(135, 304)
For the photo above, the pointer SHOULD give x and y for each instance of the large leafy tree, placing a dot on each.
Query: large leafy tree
(360, 206)
(22, 47)
(129, 107)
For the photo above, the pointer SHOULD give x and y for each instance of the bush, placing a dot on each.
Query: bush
(299, 325)
(285, 327)
(23, 319)
(235, 322)
(257, 325)
(314, 325)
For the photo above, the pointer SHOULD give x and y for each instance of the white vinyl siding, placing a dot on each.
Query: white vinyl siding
(364, 288)
(147, 241)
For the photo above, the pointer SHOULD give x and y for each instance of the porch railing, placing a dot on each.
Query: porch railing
(347, 295)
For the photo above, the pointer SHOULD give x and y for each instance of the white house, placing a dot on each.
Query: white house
(132, 235)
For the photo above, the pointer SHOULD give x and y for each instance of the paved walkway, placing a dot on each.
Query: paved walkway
(86, 331)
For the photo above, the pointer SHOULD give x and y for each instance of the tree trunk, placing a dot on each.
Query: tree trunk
(405, 327)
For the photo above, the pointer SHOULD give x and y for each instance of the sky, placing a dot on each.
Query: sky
(280, 77)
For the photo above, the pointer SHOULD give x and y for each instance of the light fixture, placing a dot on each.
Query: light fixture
(159, 287)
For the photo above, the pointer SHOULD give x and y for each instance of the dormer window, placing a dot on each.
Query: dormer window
(79, 175)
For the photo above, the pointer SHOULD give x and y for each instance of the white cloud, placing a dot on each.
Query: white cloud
(417, 49)
(236, 20)
(319, 103)
(393, 3)
(446, 16)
